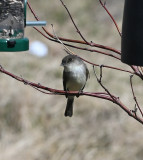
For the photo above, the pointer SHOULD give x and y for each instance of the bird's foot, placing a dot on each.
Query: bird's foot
(78, 94)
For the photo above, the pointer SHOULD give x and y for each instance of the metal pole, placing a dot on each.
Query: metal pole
(36, 23)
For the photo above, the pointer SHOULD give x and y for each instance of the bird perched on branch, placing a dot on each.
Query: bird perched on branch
(75, 75)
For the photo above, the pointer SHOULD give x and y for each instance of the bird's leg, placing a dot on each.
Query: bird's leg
(79, 92)
(66, 94)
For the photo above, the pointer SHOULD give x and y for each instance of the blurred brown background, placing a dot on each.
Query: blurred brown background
(32, 124)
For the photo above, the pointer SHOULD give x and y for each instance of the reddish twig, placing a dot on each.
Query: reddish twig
(103, 5)
(99, 80)
(77, 47)
(134, 97)
(116, 100)
(78, 31)
(52, 91)
(106, 66)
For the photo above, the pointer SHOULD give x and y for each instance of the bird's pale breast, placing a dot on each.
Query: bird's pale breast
(77, 77)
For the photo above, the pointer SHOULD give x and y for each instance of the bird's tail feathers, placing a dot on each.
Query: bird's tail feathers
(69, 107)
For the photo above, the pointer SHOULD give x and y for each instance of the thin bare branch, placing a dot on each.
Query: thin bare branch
(99, 80)
(51, 91)
(56, 37)
(77, 47)
(78, 31)
(66, 48)
(100, 73)
(134, 97)
(104, 6)
(106, 66)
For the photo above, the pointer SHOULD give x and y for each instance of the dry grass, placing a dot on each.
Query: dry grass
(32, 125)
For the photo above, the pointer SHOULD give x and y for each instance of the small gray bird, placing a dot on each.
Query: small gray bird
(75, 75)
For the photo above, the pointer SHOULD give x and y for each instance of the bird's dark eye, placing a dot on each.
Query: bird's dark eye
(70, 59)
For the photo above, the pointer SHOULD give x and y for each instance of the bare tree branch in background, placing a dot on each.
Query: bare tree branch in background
(93, 48)
(136, 102)
(104, 6)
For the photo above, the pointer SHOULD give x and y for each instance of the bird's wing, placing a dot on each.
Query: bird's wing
(87, 73)
(65, 79)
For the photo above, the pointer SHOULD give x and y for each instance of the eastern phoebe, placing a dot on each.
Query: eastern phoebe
(75, 75)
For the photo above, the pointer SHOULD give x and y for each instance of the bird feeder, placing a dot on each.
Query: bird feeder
(12, 25)
(132, 33)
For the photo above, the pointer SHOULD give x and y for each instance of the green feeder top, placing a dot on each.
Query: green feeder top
(12, 24)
